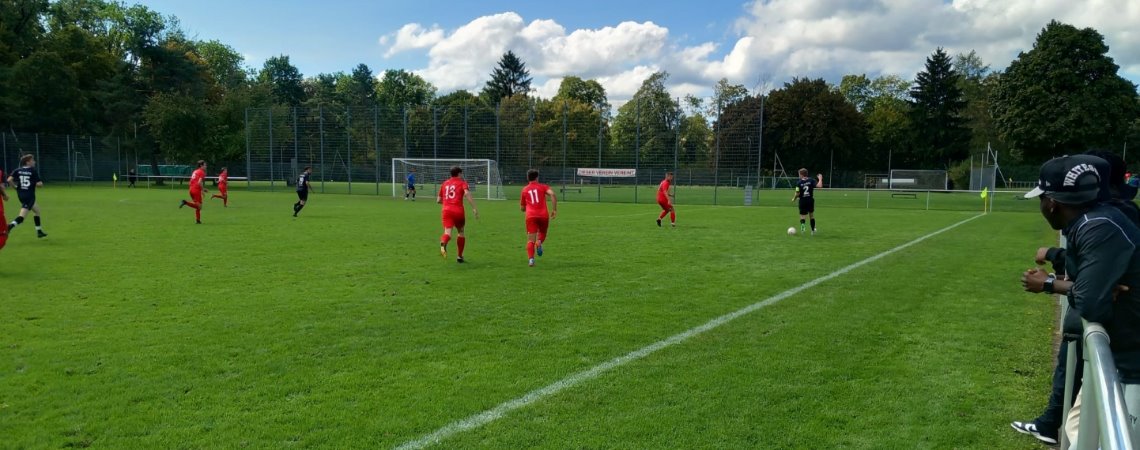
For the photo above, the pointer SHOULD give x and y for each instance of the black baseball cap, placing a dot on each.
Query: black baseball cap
(1072, 180)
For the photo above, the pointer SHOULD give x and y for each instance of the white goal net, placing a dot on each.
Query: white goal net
(934, 180)
(482, 176)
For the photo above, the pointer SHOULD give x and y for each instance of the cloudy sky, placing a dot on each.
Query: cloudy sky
(760, 44)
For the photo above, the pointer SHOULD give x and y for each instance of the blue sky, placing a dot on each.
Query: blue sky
(455, 44)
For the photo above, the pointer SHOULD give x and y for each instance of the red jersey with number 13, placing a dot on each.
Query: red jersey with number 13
(663, 191)
(451, 191)
(534, 198)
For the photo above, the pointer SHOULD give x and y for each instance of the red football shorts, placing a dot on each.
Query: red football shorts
(3, 230)
(196, 196)
(222, 189)
(537, 225)
(664, 205)
(454, 218)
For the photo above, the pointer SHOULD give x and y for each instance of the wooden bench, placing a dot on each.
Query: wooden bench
(578, 190)
(904, 195)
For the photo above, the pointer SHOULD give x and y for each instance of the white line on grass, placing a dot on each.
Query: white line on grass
(502, 409)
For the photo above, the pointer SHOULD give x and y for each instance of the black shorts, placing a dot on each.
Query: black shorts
(27, 201)
(303, 195)
(807, 206)
(411, 187)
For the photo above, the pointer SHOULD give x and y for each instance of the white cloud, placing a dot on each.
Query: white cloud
(410, 37)
(772, 42)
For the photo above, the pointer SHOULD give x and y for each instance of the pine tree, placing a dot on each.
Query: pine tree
(510, 78)
(938, 103)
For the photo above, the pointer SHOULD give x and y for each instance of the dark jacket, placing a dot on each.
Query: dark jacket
(1101, 254)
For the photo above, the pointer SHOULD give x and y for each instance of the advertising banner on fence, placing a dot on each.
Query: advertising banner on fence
(616, 173)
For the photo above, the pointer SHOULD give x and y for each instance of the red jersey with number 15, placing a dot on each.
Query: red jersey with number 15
(663, 191)
(534, 199)
(196, 179)
(451, 191)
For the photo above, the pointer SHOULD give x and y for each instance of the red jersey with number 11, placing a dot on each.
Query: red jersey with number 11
(452, 191)
(534, 198)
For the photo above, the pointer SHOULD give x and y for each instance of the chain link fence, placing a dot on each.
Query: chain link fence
(351, 151)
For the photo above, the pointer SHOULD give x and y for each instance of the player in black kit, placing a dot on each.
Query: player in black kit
(26, 181)
(302, 190)
(805, 193)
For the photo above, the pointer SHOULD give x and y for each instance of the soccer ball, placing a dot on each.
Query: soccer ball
(791, 231)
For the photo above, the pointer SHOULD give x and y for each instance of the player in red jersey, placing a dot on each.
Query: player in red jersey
(533, 201)
(3, 220)
(451, 195)
(666, 200)
(223, 185)
(196, 190)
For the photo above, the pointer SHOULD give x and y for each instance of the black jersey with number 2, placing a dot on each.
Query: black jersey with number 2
(806, 188)
(26, 179)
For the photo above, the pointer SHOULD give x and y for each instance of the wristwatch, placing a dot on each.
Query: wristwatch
(1048, 287)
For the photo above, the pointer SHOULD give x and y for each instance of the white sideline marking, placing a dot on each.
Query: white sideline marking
(498, 412)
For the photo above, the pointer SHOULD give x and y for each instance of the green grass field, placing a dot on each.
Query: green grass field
(132, 327)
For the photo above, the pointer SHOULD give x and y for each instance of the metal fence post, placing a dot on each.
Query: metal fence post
(530, 137)
(91, 160)
(38, 150)
(676, 152)
(637, 147)
(348, 143)
(498, 133)
(321, 126)
(465, 137)
(272, 180)
(296, 144)
(70, 165)
(434, 133)
(376, 142)
(248, 158)
(760, 145)
(716, 158)
(601, 127)
(565, 107)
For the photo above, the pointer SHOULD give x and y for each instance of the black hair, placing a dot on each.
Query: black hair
(532, 174)
(456, 170)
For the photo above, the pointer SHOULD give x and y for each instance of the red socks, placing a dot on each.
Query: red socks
(198, 214)
(459, 243)
(530, 249)
(672, 216)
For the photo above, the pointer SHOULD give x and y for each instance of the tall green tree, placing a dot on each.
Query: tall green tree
(977, 82)
(808, 122)
(857, 90)
(588, 92)
(936, 113)
(510, 78)
(284, 79)
(648, 121)
(1064, 96)
(402, 88)
(21, 27)
(359, 88)
(226, 66)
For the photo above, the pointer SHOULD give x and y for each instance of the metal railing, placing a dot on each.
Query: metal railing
(1104, 421)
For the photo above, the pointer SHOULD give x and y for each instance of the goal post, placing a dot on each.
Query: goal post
(482, 175)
